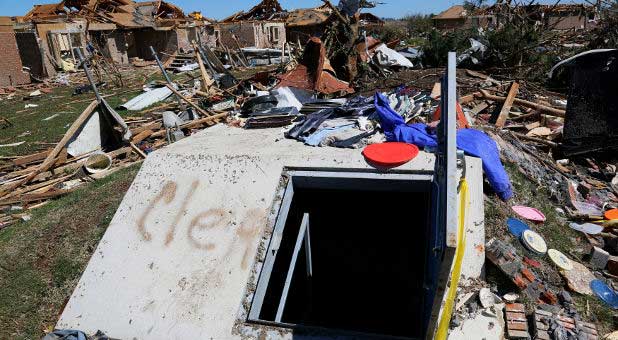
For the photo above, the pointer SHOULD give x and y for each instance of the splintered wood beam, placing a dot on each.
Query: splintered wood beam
(51, 157)
(207, 80)
(508, 103)
(542, 108)
(185, 99)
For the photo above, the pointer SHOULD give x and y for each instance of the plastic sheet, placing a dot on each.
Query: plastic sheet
(472, 142)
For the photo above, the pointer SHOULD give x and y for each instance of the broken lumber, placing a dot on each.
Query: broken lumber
(536, 140)
(508, 103)
(51, 158)
(194, 123)
(25, 160)
(185, 99)
(138, 150)
(206, 78)
(141, 136)
(542, 108)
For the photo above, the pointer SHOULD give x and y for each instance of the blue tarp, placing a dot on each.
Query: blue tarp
(472, 142)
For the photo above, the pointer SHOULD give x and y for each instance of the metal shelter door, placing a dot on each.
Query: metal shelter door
(442, 236)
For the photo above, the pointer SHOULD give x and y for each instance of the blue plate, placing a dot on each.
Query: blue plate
(516, 227)
(605, 293)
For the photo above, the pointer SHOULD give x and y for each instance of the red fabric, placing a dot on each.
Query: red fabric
(391, 154)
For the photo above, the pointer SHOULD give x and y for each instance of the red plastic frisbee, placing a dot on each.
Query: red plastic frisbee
(390, 155)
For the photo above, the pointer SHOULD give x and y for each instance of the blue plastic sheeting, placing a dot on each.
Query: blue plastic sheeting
(472, 142)
(516, 227)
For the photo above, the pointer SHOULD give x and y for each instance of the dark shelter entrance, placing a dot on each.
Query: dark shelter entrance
(350, 255)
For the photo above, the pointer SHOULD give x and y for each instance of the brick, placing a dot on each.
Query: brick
(515, 307)
(515, 316)
(11, 72)
(539, 313)
(525, 272)
(549, 298)
(519, 281)
(532, 263)
(515, 334)
(520, 326)
(598, 258)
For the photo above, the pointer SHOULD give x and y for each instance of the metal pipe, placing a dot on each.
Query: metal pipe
(84, 64)
(302, 236)
(154, 54)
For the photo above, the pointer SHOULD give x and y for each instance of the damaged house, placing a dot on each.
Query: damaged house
(305, 23)
(120, 29)
(11, 73)
(556, 17)
(263, 26)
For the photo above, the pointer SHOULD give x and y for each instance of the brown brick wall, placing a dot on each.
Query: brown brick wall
(11, 67)
(244, 33)
(251, 34)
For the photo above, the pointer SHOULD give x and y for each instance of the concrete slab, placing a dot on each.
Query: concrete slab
(181, 249)
(487, 324)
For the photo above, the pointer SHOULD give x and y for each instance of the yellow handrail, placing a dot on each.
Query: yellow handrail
(447, 312)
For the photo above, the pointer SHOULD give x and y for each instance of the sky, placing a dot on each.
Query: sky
(219, 9)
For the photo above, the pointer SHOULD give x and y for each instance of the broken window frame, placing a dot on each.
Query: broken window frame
(274, 34)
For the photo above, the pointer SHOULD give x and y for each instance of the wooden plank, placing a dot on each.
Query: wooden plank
(479, 108)
(550, 111)
(508, 103)
(39, 156)
(185, 99)
(533, 125)
(205, 77)
(436, 90)
(468, 98)
(35, 197)
(141, 136)
(150, 126)
(195, 123)
(138, 150)
(51, 158)
(62, 157)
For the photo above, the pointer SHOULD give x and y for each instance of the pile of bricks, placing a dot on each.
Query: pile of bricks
(505, 257)
(543, 319)
(516, 324)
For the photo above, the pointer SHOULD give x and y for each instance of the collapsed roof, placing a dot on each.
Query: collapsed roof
(265, 10)
(123, 13)
(308, 16)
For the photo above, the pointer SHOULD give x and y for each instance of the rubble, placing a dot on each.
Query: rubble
(315, 91)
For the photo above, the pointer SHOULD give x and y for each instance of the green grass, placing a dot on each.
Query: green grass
(29, 124)
(41, 260)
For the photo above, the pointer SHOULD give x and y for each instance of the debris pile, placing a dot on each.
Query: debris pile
(328, 92)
